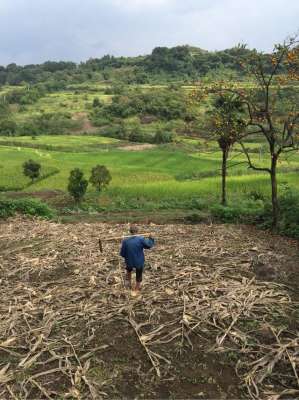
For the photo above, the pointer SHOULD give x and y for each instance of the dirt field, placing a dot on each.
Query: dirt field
(217, 318)
(138, 147)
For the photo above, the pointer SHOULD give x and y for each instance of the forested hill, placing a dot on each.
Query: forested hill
(163, 64)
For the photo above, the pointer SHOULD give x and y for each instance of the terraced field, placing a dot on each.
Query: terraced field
(72, 142)
(160, 177)
(181, 175)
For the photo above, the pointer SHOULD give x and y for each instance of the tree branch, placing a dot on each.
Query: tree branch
(250, 162)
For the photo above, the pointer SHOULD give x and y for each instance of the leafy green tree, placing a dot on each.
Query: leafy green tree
(77, 185)
(100, 177)
(227, 126)
(31, 169)
(272, 108)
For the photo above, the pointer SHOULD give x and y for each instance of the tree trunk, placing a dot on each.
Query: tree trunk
(224, 173)
(275, 207)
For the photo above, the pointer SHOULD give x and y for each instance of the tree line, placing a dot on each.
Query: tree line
(100, 178)
(180, 61)
(269, 111)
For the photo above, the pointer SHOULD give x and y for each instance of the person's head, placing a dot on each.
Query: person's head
(133, 230)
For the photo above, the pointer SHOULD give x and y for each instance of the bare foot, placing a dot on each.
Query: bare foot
(135, 293)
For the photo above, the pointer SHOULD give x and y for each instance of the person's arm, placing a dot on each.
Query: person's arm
(148, 243)
(123, 250)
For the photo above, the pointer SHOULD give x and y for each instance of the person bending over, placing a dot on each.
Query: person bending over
(132, 250)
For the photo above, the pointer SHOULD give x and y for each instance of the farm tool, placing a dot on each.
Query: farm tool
(116, 238)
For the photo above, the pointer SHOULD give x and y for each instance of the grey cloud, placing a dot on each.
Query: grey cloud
(39, 30)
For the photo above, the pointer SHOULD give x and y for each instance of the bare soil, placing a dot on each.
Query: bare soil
(86, 123)
(216, 300)
(138, 147)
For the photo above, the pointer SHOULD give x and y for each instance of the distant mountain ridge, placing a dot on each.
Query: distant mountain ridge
(186, 62)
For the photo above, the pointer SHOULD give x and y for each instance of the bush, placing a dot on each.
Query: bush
(225, 214)
(8, 127)
(28, 129)
(100, 177)
(163, 137)
(55, 123)
(256, 195)
(137, 136)
(289, 214)
(289, 208)
(31, 169)
(99, 120)
(249, 212)
(29, 95)
(198, 204)
(8, 208)
(196, 218)
(162, 104)
(116, 131)
(77, 185)
(96, 102)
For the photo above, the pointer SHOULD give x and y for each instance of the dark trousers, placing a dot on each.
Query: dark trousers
(139, 272)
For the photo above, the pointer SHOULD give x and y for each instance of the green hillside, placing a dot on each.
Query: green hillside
(143, 119)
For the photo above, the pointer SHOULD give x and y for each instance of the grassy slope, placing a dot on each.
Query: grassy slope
(147, 175)
(65, 101)
(75, 141)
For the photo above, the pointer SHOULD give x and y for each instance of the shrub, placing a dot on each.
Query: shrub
(28, 95)
(77, 185)
(289, 206)
(198, 204)
(163, 137)
(100, 177)
(96, 102)
(256, 195)
(53, 123)
(98, 120)
(116, 131)
(9, 208)
(162, 104)
(8, 127)
(289, 214)
(137, 136)
(225, 214)
(31, 169)
(28, 129)
(196, 218)
(249, 211)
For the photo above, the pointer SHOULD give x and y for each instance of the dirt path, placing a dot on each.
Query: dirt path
(69, 329)
(86, 123)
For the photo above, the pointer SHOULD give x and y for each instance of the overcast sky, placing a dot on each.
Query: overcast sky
(34, 31)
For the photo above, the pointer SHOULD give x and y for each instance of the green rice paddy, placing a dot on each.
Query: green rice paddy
(164, 176)
(140, 176)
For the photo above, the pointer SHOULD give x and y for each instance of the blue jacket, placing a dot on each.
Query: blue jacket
(132, 250)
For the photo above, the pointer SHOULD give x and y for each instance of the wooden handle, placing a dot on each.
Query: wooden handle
(110, 239)
(123, 237)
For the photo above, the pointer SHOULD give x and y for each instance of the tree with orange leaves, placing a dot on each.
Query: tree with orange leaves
(271, 106)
